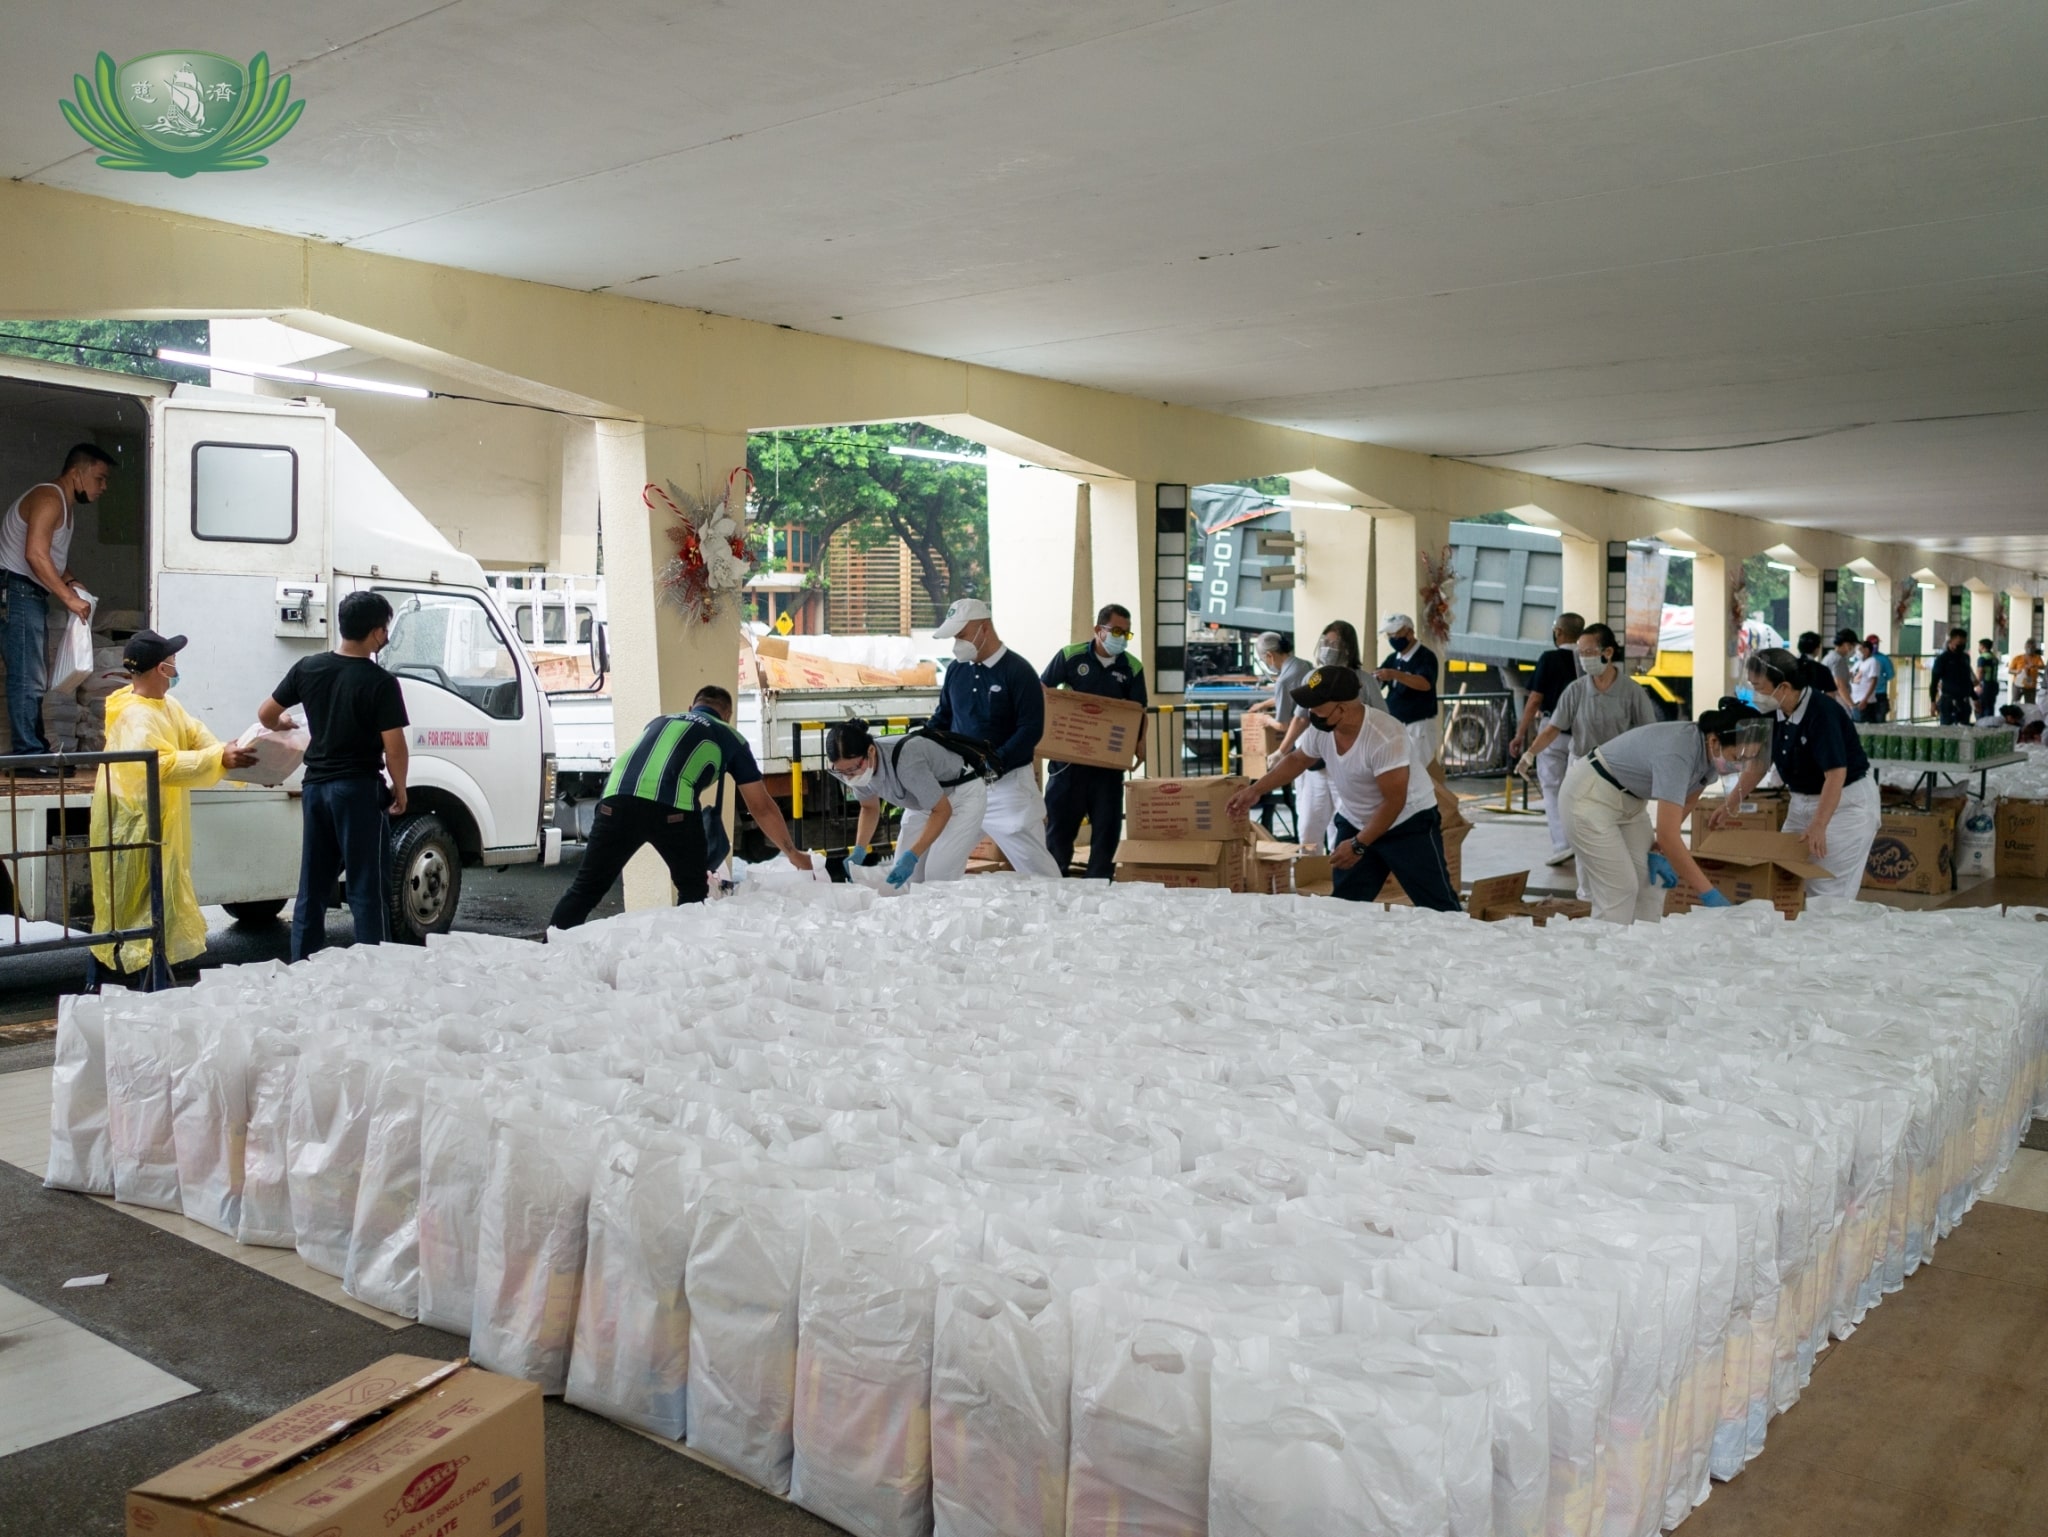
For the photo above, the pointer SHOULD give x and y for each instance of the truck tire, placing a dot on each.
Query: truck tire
(255, 913)
(426, 878)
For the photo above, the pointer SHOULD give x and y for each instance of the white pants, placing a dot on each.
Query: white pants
(1851, 831)
(946, 859)
(1610, 831)
(1016, 820)
(1424, 737)
(1550, 766)
(1314, 806)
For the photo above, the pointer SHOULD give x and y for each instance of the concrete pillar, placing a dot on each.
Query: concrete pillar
(1133, 564)
(1983, 620)
(1585, 579)
(1032, 557)
(1712, 662)
(1803, 609)
(574, 545)
(1081, 620)
(1339, 585)
(660, 658)
(1830, 602)
(1398, 542)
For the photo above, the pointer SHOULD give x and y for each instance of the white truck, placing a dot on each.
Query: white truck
(241, 521)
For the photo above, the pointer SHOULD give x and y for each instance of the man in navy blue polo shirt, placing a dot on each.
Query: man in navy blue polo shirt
(1409, 673)
(993, 695)
(1101, 665)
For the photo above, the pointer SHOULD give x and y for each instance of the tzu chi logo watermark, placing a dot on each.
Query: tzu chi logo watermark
(182, 113)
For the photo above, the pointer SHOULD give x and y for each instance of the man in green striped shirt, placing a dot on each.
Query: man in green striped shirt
(658, 793)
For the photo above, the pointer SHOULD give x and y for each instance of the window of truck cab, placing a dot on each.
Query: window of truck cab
(245, 493)
(451, 639)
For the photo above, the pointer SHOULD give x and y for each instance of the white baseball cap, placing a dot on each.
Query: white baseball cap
(1396, 623)
(960, 616)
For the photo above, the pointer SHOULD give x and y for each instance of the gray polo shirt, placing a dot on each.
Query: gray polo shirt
(1285, 682)
(1593, 716)
(1663, 762)
(913, 772)
(1844, 669)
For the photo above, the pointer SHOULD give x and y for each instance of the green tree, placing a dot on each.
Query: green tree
(120, 346)
(827, 479)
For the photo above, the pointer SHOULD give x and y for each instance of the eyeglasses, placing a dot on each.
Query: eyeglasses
(1121, 632)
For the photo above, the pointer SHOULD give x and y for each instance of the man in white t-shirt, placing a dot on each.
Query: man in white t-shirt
(1386, 822)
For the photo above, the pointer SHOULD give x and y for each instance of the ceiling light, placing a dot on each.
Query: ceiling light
(1295, 501)
(1864, 581)
(1779, 565)
(935, 453)
(289, 374)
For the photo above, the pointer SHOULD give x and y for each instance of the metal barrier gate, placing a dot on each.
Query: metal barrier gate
(27, 868)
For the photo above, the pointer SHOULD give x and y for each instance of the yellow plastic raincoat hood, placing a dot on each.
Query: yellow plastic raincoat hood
(188, 759)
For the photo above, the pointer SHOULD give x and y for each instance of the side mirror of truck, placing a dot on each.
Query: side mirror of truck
(600, 654)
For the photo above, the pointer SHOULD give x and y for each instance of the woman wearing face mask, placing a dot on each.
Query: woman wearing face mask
(1314, 803)
(1598, 705)
(942, 796)
(1607, 796)
(1816, 751)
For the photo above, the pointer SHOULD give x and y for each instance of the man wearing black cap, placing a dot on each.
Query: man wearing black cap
(142, 717)
(1387, 822)
(355, 713)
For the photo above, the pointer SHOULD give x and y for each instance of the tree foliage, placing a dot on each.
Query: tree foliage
(120, 346)
(825, 480)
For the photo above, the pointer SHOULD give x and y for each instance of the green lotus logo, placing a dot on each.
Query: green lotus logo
(182, 113)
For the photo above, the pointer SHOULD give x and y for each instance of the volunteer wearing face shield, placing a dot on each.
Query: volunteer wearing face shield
(1816, 751)
(142, 717)
(993, 695)
(1624, 860)
(1276, 658)
(1075, 792)
(1386, 818)
(1314, 805)
(943, 799)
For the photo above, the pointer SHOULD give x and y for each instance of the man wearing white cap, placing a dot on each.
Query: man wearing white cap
(1410, 672)
(993, 695)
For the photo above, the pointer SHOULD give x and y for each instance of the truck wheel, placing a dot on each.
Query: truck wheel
(255, 913)
(426, 879)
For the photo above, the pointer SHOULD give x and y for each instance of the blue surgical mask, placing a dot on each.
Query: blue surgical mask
(1115, 645)
(174, 681)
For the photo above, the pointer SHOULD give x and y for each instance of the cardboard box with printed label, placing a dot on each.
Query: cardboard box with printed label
(1183, 808)
(410, 1447)
(1086, 728)
(1915, 851)
(2022, 839)
(1760, 813)
(1207, 864)
(1753, 866)
(1259, 744)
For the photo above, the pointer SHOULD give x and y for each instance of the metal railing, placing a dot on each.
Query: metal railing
(48, 777)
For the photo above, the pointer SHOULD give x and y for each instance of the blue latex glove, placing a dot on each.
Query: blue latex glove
(1661, 873)
(906, 866)
(858, 855)
(1715, 899)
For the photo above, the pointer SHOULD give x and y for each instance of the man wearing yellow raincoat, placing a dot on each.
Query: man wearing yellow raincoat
(144, 718)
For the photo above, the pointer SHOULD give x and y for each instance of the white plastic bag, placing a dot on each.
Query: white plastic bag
(1001, 1378)
(327, 1130)
(278, 755)
(80, 1158)
(383, 1267)
(209, 1128)
(455, 1160)
(144, 1051)
(1976, 837)
(530, 1247)
(272, 1073)
(71, 664)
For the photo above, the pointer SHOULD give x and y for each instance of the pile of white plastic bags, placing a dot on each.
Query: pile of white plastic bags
(1013, 1209)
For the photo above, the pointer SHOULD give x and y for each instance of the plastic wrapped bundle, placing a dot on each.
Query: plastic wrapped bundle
(455, 1160)
(272, 1075)
(530, 1245)
(1001, 1379)
(327, 1131)
(861, 1432)
(631, 1357)
(144, 1055)
(383, 1267)
(209, 1128)
(80, 1158)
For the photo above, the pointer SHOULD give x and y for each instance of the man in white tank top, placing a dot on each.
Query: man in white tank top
(35, 564)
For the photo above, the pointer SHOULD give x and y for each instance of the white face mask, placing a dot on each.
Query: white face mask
(1112, 645)
(1591, 662)
(860, 779)
(966, 651)
(1328, 656)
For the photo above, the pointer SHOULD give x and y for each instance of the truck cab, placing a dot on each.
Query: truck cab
(241, 521)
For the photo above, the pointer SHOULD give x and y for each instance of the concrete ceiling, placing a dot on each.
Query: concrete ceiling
(1581, 230)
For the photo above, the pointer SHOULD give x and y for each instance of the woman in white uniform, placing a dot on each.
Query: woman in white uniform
(1607, 796)
(1817, 752)
(942, 796)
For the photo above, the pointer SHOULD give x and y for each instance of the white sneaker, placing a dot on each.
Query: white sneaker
(1561, 857)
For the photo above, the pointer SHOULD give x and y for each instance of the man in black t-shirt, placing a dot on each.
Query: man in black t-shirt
(355, 713)
(1556, 670)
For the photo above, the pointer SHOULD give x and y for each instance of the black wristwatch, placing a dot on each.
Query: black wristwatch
(1358, 848)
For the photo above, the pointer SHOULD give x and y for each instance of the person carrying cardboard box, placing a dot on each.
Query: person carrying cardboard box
(1102, 665)
(1387, 821)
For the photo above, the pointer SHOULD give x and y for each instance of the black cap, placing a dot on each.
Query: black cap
(1847, 637)
(147, 649)
(1328, 685)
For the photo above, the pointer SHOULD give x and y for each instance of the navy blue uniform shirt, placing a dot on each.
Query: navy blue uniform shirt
(1081, 669)
(1816, 737)
(998, 702)
(1407, 704)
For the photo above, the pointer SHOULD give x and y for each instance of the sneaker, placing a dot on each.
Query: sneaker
(1560, 857)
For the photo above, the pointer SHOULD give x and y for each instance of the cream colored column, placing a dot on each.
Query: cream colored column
(1712, 666)
(1585, 579)
(1400, 539)
(1803, 608)
(575, 511)
(659, 658)
(1339, 585)
(1082, 620)
(1123, 543)
(1031, 556)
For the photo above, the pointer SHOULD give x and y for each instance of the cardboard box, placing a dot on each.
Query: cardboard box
(1207, 864)
(409, 1447)
(1259, 744)
(1500, 897)
(1183, 808)
(1763, 812)
(1279, 869)
(1086, 728)
(2022, 839)
(1915, 851)
(1755, 866)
